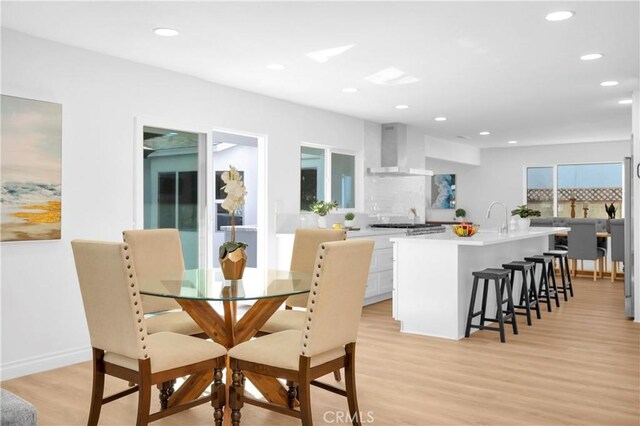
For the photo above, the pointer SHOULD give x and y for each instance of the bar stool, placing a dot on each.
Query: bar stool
(499, 276)
(565, 273)
(528, 294)
(545, 293)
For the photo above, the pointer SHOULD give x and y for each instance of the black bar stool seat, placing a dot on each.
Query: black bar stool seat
(565, 273)
(528, 293)
(500, 278)
(548, 290)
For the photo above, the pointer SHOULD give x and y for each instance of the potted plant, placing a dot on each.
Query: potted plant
(322, 208)
(232, 256)
(460, 213)
(348, 220)
(524, 214)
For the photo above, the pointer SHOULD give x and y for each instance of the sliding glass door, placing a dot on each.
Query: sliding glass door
(171, 186)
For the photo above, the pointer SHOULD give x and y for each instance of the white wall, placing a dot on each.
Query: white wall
(500, 177)
(43, 324)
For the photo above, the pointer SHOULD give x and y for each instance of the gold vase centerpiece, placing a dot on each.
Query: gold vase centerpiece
(232, 257)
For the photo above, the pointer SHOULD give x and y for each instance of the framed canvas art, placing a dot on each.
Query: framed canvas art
(443, 192)
(31, 170)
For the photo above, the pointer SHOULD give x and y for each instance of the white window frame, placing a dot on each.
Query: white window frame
(555, 180)
(357, 184)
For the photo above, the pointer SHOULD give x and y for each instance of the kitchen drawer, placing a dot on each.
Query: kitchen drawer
(385, 281)
(372, 286)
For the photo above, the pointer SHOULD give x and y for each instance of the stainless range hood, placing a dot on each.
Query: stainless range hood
(399, 158)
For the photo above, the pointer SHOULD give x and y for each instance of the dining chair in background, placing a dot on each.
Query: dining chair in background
(158, 252)
(617, 245)
(583, 245)
(123, 348)
(325, 343)
(305, 246)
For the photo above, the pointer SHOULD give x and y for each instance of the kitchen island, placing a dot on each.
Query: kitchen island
(432, 275)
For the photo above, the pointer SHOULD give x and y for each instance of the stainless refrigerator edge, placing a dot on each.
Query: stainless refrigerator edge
(629, 177)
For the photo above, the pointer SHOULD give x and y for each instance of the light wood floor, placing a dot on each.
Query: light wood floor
(578, 365)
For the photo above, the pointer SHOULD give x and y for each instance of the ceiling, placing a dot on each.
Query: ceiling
(494, 66)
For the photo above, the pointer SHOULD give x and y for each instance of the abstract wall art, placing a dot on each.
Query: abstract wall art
(443, 192)
(31, 170)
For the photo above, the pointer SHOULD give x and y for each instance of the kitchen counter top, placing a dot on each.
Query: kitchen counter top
(367, 232)
(483, 237)
(246, 228)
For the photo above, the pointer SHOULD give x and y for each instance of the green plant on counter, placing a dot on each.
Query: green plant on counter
(461, 213)
(524, 212)
(322, 208)
(349, 216)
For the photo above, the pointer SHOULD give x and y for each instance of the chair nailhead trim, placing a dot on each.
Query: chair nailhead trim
(134, 294)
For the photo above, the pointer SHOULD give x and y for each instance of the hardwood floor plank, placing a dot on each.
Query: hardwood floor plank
(580, 364)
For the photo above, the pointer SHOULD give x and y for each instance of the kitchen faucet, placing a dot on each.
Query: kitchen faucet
(504, 228)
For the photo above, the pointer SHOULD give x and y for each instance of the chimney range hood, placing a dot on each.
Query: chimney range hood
(398, 157)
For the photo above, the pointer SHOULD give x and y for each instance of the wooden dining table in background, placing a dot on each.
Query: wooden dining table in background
(195, 289)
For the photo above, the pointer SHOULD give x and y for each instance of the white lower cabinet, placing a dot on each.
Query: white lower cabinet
(380, 282)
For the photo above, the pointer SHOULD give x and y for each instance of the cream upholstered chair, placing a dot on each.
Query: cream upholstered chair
(305, 246)
(326, 342)
(159, 252)
(121, 345)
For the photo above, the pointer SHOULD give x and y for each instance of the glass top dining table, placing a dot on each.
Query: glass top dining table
(210, 285)
(194, 289)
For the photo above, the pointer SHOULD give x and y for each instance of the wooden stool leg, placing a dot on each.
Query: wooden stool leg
(510, 308)
(474, 291)
(566, 264)
(499, 317)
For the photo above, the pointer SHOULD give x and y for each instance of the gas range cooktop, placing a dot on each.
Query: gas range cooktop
(412, 228)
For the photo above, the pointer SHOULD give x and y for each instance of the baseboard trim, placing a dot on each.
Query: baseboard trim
(37, 364)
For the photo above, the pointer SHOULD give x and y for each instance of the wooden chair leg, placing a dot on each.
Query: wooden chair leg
(218, 396)
(97, 391)
(337, 376)
(304, 391)
(166, 390)
(350, 384)
(603, 266)
(236, 396)
(614, 270)
(144, 392)
(595, 270)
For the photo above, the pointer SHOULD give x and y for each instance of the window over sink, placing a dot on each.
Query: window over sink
(326, 174)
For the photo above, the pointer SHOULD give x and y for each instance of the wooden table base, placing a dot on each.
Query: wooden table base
(229, 332)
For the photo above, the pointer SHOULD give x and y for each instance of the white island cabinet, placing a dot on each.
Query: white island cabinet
(380, 282)
(432, 275)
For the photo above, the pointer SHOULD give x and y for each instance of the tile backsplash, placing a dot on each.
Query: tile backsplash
(393, 197)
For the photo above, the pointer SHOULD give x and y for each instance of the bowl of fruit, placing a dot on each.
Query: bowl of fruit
(464, 229)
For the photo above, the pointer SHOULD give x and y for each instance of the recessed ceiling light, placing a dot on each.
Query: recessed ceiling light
(626, 102)
(440, 118)
(324, 55)
(512, 142)
(484, 133)
(349, 90)
(609, 83)
(166, 32)
(560, 15)
(276, 67)
(591, 56)
(402, 106)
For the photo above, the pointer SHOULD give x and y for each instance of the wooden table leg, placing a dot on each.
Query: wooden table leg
(229, 333)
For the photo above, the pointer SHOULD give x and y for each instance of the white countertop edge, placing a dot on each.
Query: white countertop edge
(482, 238)
(246, 228)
